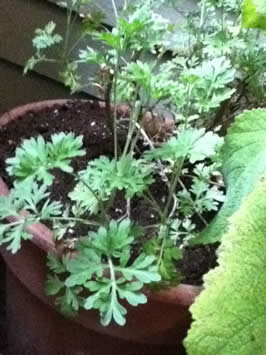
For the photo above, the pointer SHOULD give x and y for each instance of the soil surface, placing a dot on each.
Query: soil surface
(89, 120)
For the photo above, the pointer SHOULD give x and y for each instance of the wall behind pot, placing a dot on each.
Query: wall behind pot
(18, 20)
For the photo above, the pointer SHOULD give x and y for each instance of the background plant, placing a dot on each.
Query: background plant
(241, 244)
(229, 315)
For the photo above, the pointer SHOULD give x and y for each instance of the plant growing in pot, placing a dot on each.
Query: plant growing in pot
(230, 313)
(168, 168)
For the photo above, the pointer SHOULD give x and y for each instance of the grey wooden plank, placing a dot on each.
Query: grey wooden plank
(175, 15)
(16, 89)
(18, 21)
(170, 13)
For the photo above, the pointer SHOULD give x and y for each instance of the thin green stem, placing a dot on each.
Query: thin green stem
(178, 165)
(149, 198)
(163, 244)
(75, 219)
(222, 16)
(67, 33)
(74, 45)
(150, 143)
(132, 125)
(20, 221)
(161, 252)
(202, 13)
(115, 10)
(115, 106)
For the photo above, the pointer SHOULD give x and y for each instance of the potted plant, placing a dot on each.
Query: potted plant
(103, 256)
(229, 314)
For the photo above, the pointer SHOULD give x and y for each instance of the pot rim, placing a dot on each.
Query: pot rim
(183, 294)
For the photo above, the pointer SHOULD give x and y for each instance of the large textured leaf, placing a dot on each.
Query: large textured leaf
(230, 314)
(244, 162)
(254, 14)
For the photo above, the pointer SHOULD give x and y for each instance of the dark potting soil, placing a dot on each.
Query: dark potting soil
(89, 120)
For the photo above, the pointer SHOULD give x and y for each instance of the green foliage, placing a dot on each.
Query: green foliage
(35, 157)
(191, 143)
(243, 157)
(229, 315)
(210, 80)
(46, 38)
(252, 62)
(43, 39)
(166, 252)
(201, 197)
(24, 197)
(69, 300)
(103, 267)
(254, 14)
(70, 77)
(103, 176)
(139, 28)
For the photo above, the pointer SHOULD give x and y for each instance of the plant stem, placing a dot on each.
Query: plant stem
(132, 125)
(107, 99)
(173, 183)
(115, 106)
(149, 197)
(115, 9)
(128, 207)
(111, 268)
(150, 143)
(202, 13)
(165, 234)
(222, 16)
(67, 33)
(75, 219)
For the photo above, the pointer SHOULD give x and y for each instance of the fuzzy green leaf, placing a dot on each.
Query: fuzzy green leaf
(86, 264)
(167, 256)
(24, 197)
(212, 78)
(193, 144)
(132, 175)
(143, 269)
(53, 285)
(230, 314)
(114, 239)
(103, 176)
(35, 157)
(95, 268)
(46, 37)
(14, 238)
(254, 14)
(244, 162)
(70, 302)
(55, 264)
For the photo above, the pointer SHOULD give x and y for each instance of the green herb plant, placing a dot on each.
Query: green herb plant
(103, 268)
(229, 314)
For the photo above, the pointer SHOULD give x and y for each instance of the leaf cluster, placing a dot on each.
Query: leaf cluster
(33, 200)
(103, 267)
(35, 157)
(192, 144)
(103, 177)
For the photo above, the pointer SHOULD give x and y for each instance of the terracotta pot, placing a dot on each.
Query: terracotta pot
(34, 322)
